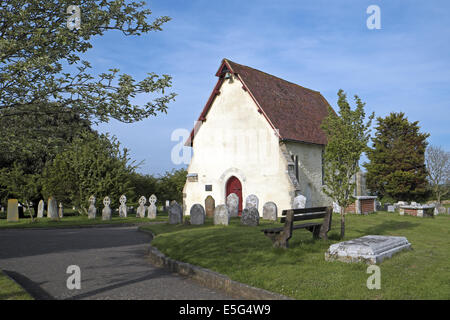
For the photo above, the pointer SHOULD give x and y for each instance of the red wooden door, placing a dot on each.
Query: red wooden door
(234, 186)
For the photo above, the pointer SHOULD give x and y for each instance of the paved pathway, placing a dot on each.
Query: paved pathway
(112, 263)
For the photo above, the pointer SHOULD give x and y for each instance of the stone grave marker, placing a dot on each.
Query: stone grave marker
(250, 217)
(391, 209)
(175, 213)
(152, 207)
(270, 211)
(299, 202)
(13, 210)
(106, 212)
(40, 213)
(140, 212)
(233, 204)
(92, 210)
(61, 210)
(52, 209)
(123, 210)
(221, 215)
(197, 213)
(210, 206)
(251, 201)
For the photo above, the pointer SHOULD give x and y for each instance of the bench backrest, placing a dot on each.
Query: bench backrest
(305, 214)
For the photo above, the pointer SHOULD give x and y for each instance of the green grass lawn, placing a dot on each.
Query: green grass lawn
(246, 255)
(9, 290)
(76, 221)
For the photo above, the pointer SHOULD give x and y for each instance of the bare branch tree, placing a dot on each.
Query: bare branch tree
(438, 167)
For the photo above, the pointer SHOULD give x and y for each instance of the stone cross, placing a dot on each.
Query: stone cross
(233, 204)
(210, 205)
(221, 215)
(152, 207)
(251, 202)
(92, 211)
(175, 213)
(123, 210)
(13, 210)
(299, 202)
(52, 209)
(61, 210)
(40, 213)
(270, 211)
(197, 214)
(106, 212)
(140, 212)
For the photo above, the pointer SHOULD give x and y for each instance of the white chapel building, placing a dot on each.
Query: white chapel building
(257, 134)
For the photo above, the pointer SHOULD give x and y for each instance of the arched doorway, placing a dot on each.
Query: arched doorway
(235, 186)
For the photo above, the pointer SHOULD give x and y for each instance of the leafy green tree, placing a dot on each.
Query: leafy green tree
(144, 185)
(396, 167)
(91, 165)
(347, 135)
(40, 60)
(170, 185)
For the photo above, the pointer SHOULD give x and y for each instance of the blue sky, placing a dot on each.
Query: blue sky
(322, 45)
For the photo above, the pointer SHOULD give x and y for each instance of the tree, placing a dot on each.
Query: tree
(438, 168)
(347, 137)
(91, 165)
(40, 60)
(170, 185)
(396, 167)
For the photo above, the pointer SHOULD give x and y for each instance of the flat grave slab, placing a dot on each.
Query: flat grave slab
(368, 249)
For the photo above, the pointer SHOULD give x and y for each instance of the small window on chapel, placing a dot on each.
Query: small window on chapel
(208, 187)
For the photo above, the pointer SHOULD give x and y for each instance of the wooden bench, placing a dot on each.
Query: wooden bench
(280, 236)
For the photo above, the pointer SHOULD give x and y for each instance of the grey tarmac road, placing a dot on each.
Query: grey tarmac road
(112, 263)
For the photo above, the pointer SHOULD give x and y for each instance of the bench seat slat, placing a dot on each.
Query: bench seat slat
(294, 227)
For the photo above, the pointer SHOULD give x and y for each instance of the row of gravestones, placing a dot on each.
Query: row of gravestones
(123, 209)
(223, 213)
(52, 210)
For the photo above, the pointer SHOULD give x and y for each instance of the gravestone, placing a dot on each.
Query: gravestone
(221, 215)
(270, 211)
(175, 213)
(61, 210)
(106, 212)
(40, 213)
(152, 207)
(299, 202)
(210, 206)
(391, 209)
(140, 212)
(250, 217)
(166, 208)
(92, 210)
(197, 214)
(336, 208)
(123, 210)
(251, 201)
(52, 209)
(368, 249)
(233, 204)
(13, 210)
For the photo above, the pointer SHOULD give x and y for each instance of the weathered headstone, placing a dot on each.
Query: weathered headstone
(221, 215)
(251, 201)
(52, 209)
(152, 207)
(233, 204)
(210, 206)
(270, 211)
(175, 213)
(391, 209)
(40, 213)
(106, 212)
(13, 210)
(123, 210)
(250, 217)
(61, 210)
(197, 214)
(299, 202)
(140, 212)
(92, 210)
(368, 249)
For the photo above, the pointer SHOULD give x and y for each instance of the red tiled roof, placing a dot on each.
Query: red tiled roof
(295, 111)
